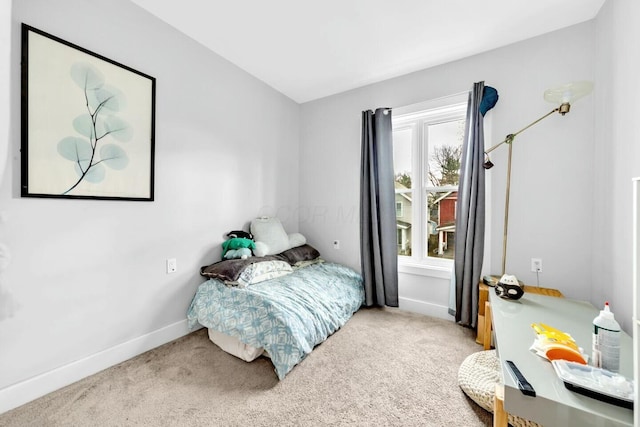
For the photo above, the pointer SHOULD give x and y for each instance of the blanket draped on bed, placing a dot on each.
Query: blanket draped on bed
(287, 316)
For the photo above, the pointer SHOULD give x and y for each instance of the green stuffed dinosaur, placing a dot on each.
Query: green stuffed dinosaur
(237, 243)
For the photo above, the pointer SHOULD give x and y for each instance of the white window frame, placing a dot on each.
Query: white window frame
(419, 117)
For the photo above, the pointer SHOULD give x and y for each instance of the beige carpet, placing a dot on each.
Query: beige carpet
(384, 367)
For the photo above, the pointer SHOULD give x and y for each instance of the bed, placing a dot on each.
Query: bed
(253, 307)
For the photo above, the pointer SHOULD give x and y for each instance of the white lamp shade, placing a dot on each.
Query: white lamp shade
(568, 93)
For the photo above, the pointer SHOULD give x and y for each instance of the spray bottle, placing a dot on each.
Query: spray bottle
(606, 341)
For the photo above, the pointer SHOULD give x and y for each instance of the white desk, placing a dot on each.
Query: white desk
(553, 405)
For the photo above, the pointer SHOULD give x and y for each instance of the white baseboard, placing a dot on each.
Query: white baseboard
(421, 307)
(25, 391)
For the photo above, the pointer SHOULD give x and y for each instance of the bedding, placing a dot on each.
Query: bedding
(298, 254)
(261, 271)
(245, 272)
(287, 316)
(302, 264)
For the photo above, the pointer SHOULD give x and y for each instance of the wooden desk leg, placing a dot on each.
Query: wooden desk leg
(487, 326)
(483, 296)
(500, 417)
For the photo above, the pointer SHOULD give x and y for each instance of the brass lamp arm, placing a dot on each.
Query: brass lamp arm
(509, 138)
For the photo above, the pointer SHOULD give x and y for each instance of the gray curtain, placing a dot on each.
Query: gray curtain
(378, 247)
(469, 250)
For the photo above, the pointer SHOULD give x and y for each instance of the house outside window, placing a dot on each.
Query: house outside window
(427, 149)
(399, 209)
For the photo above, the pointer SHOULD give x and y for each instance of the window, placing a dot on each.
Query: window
(427, 149)
(399, 209)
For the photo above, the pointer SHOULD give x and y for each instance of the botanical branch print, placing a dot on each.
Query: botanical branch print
(88, 123)
(100, 128)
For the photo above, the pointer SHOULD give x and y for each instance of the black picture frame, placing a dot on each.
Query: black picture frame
(87, 123)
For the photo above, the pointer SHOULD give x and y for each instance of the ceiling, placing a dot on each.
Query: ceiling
(311, 49)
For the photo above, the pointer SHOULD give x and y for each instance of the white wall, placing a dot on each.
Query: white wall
(5, 54)
(6, 296)
(90, 275)
(551, 199)
(617, 155)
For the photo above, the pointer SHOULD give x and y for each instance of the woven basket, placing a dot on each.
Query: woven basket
(478, 375)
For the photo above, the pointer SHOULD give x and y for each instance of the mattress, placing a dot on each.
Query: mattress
(234, 346)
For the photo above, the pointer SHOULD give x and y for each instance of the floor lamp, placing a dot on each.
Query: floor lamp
(563, 96)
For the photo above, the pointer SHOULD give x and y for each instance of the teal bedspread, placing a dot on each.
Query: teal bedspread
(287, 316)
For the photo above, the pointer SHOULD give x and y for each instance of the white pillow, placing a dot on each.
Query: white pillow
(269, 235)
(261, 249)
(261, 271)
(295, 240)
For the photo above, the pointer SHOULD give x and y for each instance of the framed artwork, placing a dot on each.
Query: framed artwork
(88, 123)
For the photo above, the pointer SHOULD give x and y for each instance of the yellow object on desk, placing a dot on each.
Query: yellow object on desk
(554, 335)
(555, 344)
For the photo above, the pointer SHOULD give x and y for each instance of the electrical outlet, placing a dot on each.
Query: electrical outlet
(172, 265)
(336, 244)
(536, 265)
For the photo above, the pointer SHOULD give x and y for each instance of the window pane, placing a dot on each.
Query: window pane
(441, 223)
(403, 221)
(402, 143)
(445, 151)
